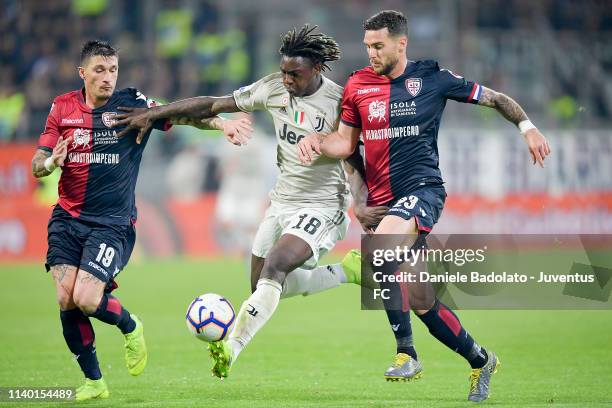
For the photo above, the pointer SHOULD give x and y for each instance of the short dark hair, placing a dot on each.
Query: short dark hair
(319, 48)
(97, 47)
(394, 21)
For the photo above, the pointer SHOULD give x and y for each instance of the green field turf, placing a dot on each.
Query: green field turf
(319, 351)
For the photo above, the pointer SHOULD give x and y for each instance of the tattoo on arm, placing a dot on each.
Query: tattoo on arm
(38, 163)
(213, 123)
(505, 105)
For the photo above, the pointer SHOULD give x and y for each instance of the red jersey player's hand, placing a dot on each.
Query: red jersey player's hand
(310, 143)
(370, 217)
(538, 146)
(238, 131)
(60, 151)
(134, 119)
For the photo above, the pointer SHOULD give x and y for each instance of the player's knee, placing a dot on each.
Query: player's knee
(276, 262)
(65, 301)
(276, 267)
(86, 302)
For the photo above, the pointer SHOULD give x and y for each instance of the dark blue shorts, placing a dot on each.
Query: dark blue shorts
(425, 204)
(102, 250)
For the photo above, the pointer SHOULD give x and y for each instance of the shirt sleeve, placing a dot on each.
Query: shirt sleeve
(255, 96)
(457, 88)
(350, 112)
(48, 138)
(160, 124)
(144, 102)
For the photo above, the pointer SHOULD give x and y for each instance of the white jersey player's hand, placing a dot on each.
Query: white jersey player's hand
(237, 132)
(370, 217)
(138, 119)
(60, 151)
(538, 146)
(309, 144)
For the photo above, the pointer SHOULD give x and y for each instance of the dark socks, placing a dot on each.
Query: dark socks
(110, 311)
(404, 345)
(79, 336)
(398, 311)
(444, 325)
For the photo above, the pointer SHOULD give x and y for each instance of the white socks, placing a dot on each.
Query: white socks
(254, 313)
(309, 281)
(260, 306)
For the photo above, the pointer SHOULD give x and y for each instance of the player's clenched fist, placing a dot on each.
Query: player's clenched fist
(309, 144)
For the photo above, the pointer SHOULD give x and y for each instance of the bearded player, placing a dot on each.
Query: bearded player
(397, 105)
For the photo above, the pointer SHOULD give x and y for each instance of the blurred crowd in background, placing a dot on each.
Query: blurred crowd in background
(553, 56)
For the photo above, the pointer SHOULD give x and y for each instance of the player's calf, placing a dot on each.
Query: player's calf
(445, 326)
(111, 311)
(89, 296)
(80, 338)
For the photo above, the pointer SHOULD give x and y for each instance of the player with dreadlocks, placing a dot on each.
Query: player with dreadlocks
(307, 214)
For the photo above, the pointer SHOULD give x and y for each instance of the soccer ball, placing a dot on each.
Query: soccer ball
(210, 317)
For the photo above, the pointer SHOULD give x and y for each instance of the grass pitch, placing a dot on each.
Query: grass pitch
(318, 351)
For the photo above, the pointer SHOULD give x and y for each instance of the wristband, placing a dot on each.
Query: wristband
(49, 164)
(525, 125)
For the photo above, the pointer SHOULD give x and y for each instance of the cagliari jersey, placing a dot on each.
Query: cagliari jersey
(399, 120)
(100, 171)
(322, 183)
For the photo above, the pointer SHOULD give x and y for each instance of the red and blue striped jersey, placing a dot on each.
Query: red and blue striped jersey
(99, 174)
(399, 121)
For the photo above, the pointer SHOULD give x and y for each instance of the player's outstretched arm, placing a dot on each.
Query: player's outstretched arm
(512, 111)
(196, 109)
(368, 217)
(339, 144)
(236, 131)
(44, 162)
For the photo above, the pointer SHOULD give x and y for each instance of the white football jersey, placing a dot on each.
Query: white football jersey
(322, 183)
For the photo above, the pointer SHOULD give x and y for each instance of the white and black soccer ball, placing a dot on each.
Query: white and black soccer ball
(210, 317)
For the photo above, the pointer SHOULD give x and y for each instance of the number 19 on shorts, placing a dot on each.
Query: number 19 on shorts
(105, 255)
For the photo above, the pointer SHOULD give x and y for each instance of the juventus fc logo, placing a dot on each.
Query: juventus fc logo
(252, 311)
(320, 123)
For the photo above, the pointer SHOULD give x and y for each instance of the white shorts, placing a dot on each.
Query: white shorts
(319, 227)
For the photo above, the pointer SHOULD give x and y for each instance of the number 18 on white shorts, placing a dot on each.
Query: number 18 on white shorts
(321, 228)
